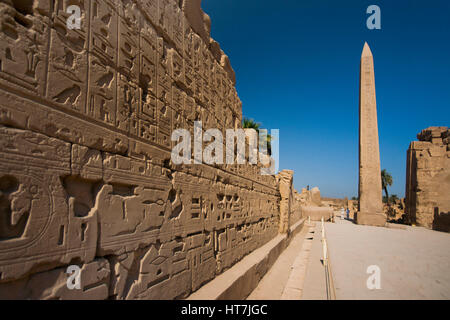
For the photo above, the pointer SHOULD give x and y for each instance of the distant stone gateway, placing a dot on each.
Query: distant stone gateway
(370, 207)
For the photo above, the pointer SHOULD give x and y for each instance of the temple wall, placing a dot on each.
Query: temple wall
(296, 211)
(428, 179)
(86, 118)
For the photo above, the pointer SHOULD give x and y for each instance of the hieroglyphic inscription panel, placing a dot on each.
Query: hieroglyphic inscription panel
(86, 117)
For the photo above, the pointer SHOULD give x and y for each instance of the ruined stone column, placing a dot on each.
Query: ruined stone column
(427, 179)
(370, 208)
(286, 191)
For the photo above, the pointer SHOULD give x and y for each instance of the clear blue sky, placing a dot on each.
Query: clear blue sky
(297, 69)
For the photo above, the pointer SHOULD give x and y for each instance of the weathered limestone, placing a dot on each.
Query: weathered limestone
(296, 211)
(428, 179)
(336, 203)
(311, 205)
(317, 213)
(395, 211)
(86, 118)
(315, 196)
(352, 206)
(310, 197)
(94, 283)
(370, 211)
(287, 198)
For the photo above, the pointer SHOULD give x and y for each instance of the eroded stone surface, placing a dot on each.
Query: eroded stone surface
(287, 198)
(317, 213)
(315, 197)
(428, 179)
(311, 206)
(86, 118)
(94, 282)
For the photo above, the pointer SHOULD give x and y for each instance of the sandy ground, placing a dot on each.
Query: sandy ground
(414, 262)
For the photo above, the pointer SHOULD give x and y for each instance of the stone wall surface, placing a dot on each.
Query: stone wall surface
(312, 206)
(86, 118)
(352, 206)
(287, 198)
(317, 213)
(315, 197)
(336, 203)
(296, 211)
(308, 198)
(428, 179)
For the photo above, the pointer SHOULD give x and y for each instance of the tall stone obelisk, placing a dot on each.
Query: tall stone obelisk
(370, 208)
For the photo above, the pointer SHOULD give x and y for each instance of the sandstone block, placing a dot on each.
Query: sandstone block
(316, 213)
(428, 167)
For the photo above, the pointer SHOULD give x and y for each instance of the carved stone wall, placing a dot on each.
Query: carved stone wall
(428, 179)
(296, 211)
(287, 199)
(86, 118)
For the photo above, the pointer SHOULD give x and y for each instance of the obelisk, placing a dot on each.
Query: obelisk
(370, 207)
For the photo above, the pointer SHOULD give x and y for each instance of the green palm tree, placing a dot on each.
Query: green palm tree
(386, 180)
(394, 198)
(252, 124)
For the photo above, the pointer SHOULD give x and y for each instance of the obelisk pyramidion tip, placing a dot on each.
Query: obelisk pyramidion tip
(366, 51)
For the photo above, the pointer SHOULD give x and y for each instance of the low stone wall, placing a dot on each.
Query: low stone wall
(296, 211)
(316, 213)
(427, 179)
(238, 282)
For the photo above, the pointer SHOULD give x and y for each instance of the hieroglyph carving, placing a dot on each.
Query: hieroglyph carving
(86, 116)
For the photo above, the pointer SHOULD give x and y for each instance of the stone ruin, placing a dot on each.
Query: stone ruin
(352, 206)
(428, 179)
(336, 203)
(86, 117)
(311, 205)
(310, 197)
